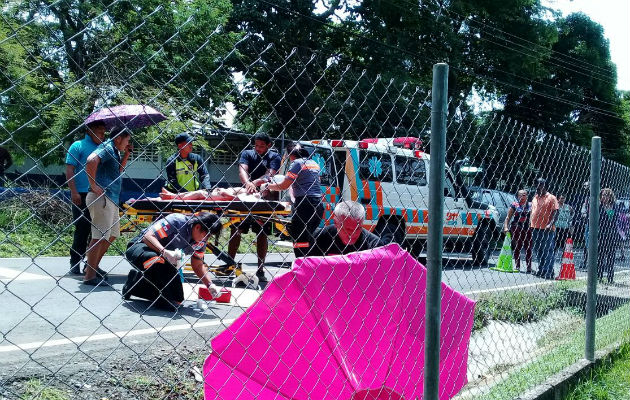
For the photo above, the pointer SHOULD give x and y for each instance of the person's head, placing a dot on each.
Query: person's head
(561, 199)
(607, 197)
(541, 186)
(521, 195)
(295, 151)
(184, 144)
(204, 224)
(96, 130)
(121, 138)
(348, 217)
(262, 143)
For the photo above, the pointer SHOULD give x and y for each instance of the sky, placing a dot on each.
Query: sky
(613, 16)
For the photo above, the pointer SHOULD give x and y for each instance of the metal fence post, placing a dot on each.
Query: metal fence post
(593, 231)
(436, 220)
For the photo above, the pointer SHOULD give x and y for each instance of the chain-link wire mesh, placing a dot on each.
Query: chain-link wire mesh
(296, 152)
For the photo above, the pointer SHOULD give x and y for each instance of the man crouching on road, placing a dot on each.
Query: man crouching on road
(156, 251)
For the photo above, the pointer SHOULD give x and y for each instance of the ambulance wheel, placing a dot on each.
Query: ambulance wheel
(481, 247)
(390, 232)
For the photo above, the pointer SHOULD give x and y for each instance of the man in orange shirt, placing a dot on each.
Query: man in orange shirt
(542, 220)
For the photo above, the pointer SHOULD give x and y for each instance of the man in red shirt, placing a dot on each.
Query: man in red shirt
(542, 220)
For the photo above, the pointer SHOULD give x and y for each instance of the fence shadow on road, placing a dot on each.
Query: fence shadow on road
(144, 308)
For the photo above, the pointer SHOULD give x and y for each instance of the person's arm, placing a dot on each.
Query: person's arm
(508, 218)
(171, 175)
(284, 185)
(204, 177)
(154, 244)
(552, 218)
(243, 174)
(152, 241)
(200, 269)
(125, 157)
(288, 180)
(90, 170)
(74, 195)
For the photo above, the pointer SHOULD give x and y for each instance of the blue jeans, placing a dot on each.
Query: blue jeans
(543, 249)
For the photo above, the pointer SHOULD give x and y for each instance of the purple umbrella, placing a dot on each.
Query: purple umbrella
(131, 116)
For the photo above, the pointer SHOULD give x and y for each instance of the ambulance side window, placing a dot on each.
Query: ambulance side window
(410, 171)
(375, 166)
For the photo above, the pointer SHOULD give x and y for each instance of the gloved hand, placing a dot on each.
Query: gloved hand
(214, 290)
(172, 256)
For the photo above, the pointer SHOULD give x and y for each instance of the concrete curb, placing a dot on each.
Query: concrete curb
(557, 387)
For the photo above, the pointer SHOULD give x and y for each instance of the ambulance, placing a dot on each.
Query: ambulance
(389, 177)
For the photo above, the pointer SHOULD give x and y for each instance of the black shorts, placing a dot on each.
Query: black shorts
(256, 225)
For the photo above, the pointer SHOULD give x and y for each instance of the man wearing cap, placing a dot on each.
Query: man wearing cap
(542, 220)
(186, 171)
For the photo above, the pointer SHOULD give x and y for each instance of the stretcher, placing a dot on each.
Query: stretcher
(235, 211)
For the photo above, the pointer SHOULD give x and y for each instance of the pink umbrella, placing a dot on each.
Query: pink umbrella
(340, 327)
(132, 116)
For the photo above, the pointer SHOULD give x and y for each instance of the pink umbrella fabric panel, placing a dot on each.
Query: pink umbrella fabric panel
(131, 116)
(340, 327)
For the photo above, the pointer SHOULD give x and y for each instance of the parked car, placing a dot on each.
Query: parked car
(500, 200)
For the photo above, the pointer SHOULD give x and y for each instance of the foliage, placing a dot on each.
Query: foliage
(303, 68)
(64, 59)
(615, 326)
(34, 389)
(518, 306)
(609, 381)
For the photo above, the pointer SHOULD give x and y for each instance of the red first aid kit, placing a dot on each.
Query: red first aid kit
(225, 296)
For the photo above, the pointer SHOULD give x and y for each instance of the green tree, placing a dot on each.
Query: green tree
(576, 98)
(74, 56)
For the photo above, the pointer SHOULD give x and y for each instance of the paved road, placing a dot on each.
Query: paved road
(49, 320)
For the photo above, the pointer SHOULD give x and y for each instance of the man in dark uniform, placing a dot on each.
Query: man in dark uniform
(347, 235)
(256, 166)
(186, 171)
(156, 253)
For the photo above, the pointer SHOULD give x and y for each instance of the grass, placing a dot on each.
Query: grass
(519, 306)
(610, 381)
(611, 329)
(172, 383)
(35, 390)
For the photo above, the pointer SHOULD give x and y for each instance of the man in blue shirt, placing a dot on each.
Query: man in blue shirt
(79, 186)
(256, 166)
(104, 168)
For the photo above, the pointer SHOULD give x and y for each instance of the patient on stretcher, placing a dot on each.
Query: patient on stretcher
(216, 194)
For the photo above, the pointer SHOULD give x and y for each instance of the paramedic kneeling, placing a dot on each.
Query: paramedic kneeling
(347, 235)
(155, 253)
(307, 210)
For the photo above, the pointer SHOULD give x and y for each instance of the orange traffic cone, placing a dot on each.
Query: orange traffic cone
(567, 272)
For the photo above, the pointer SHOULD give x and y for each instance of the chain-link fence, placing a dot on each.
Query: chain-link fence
(168, 169)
